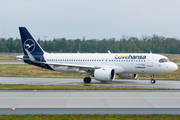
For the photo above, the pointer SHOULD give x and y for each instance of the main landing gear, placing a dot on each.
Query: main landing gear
(87, 80)
(152, 79)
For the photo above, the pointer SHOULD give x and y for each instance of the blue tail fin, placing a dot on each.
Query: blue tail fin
(29, 43)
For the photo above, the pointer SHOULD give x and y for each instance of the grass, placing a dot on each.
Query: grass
(175, 59)
(8, 58)
(33, 71)
(91, 117)
(53, 87)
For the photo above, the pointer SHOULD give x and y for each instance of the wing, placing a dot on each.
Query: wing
(72, 65)
(84, 67)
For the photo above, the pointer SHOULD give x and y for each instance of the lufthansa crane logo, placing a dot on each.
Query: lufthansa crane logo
(29, 45)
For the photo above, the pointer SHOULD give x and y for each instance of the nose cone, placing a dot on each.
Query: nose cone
(174, 67)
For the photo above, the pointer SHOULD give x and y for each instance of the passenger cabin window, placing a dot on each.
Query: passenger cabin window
(162, 60)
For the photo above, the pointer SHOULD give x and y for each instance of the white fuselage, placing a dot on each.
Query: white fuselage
(130, 63)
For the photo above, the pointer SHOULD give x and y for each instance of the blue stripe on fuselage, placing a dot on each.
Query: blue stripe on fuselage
(42, 65)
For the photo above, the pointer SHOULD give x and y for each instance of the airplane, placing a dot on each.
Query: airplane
(102, 66)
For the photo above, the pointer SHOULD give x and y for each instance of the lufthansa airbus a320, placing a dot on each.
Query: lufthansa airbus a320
(102, 66)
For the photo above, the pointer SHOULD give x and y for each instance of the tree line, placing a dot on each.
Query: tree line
(155, 44)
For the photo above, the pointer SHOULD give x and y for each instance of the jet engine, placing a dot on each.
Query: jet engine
(128, 76)
(105, 74)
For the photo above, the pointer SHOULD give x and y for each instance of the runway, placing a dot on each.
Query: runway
(171, 84)
(90, 102)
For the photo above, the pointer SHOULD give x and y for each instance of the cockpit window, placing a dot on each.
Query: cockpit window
(168, 60)
(162, 60)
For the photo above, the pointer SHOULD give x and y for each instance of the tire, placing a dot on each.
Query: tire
(87, 80)
(153, 81)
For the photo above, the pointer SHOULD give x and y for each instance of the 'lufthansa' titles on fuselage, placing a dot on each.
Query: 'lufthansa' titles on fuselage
(130, 57)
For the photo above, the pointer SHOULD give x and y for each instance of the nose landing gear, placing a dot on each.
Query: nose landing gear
(152, 79)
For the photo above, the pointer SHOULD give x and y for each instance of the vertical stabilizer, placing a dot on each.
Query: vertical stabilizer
(28, 43)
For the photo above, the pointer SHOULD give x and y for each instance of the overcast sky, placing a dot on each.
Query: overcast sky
(94, 19)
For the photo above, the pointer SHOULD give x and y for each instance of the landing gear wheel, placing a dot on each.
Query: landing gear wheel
(153, 81)
(87, 80)
(152, 78)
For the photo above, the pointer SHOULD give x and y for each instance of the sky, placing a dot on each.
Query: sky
(94, 19)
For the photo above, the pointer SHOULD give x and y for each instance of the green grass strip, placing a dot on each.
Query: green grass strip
(52, 87)
(90, 117)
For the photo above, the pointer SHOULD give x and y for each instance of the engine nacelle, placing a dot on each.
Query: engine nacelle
(128, 76)
(106, 74)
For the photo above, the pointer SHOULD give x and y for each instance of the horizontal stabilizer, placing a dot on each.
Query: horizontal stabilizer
(20, 57)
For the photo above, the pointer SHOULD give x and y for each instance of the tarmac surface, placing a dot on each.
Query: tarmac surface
(171, 84)
(90, 102)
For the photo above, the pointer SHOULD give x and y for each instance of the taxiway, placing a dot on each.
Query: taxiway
(90, 101)
(171, 84)
(99, 102)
